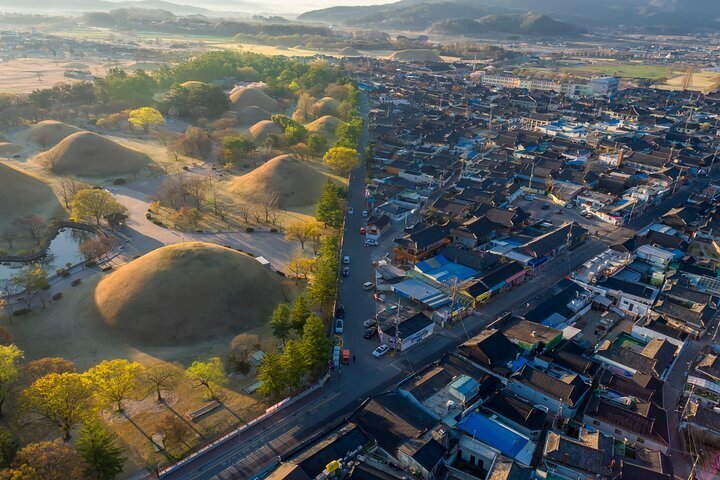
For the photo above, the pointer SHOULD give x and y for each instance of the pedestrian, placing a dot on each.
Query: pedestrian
(353, 358)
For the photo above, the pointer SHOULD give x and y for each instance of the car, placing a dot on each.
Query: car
(368, 286)
(340, 311)
(370, 332)
(530, 197)
(568, 205)
(545, 207)
(380, 351)
(365, 214)
(350, 211)
(362, 230)
(371, 242)
(339, 326)
(346, 260)
(346, 271)
(369, 322)
(560, 212)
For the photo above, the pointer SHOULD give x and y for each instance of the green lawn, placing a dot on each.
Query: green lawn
(627, 70)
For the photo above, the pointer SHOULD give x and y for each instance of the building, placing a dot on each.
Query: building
(407, 333)
(560, 393)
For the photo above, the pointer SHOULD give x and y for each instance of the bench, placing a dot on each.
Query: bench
(204, 410)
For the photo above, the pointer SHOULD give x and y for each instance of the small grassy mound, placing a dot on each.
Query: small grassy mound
(325, 126)
(253, 97)
(350, 52)
(294, 182)
(192, 83)
(326, 106)
(252, 115)
(50, 132)
(22, 194)
(262, 129)
(8, 149)
(90, 154)
(416, 55)
(185, 293)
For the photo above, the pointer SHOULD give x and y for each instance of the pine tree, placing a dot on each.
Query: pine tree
(270, 373)
(299, 313)
(315, 343)
(97, 447)
(329, 208)
(293, 364)
(280, 322)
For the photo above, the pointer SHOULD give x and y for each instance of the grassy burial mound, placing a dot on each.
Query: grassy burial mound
(49, 132)
(326, 106)
(253, 97)
(90, 154)
(416, 55)
(8, 149)
(252, 115)
(22, 194)
(192, 83)
(325, 126)
(262, 129)
(350, 52)
(187, 292)
(295, 183)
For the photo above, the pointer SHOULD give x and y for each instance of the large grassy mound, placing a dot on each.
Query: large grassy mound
(50, 132)
(417, 55)
(253, 97)
(325, 126)
(90, 154)
(262, 129)
(252, 115)
(192, 83)
(22, 194)
(187, 292)
(326, 106)
(294, 182)
(350, 52)
(9, 149)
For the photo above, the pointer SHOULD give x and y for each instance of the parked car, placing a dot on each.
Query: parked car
(368, 286)
(370, 332)
(530, 197)
(365, 214)
(568, 205)
(350, 211)
(339, 325)
(369, 322)
(545, 207)
(346, 259)
(340, 311)
(380, 351)
(362, 230)
(371, 242)
(346, 271)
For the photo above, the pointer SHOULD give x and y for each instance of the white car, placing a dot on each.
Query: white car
(371, 242)
(350, 211)
(529, 198)
(369, 322)
(368, 286)
(380, 351)
(339, 326)
(365, 214)
(346, 260)
(569, 205)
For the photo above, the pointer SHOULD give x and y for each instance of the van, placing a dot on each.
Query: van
(345, 356)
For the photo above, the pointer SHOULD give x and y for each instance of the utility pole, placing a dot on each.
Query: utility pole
(532, 173)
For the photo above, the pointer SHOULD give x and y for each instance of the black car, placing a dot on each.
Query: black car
(545, 207)
(370, 332)
(340, 311)
(346, 271)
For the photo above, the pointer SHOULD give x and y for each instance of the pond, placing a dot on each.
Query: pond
(64, 249)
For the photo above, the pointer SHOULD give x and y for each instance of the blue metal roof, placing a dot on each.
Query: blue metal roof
(492, 433)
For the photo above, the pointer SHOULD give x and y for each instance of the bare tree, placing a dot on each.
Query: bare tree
(68, 187)
(197, 187)
(33, 225)
(244, 212)
(161, 376)
(219, 206)
(9, 236)
(172, 190)
(268, 204)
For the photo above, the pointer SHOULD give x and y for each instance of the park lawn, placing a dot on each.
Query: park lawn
(626, 70)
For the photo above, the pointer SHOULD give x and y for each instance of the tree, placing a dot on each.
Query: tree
(94, 204)
(197, 142)
(176, 432)
(208, 374)
(9, 236)
(96, 445)
(68, 187)
(304, 110)
(293, 363)
(8, 448)
(160, 376)
(241, 347)
(33, 225)
(280, 322)
(268, 203)
(329, 209)
(236, 148)
(30, 279)
(145, 118)
(317, 144)
(299, 313)
(62, 399)
(35, 369)
(341, 159)
(302, 231)
(271, 141)
(114, 380)
(270, 373)
(314, 341)
(6, 337)
(197, 187)
(96, 248)
(10, 357)
(49, 461)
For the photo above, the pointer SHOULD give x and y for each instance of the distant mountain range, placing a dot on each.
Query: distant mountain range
(527, 24)
(75, 6)
(420, 14)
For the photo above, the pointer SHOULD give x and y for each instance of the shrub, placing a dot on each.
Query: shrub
(76, 282)
(21, 311)
(119, 181)
(273, 230)
(57, 296)
(249, 229)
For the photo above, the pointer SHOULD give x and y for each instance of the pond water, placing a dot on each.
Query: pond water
(64, 249)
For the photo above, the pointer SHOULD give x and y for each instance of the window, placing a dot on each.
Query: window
(595, 422)
(640, 440)
(618, 432)
(472, 459)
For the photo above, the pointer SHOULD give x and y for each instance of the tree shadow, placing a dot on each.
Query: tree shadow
(159, 448)
(229, 409)
(181, 417)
